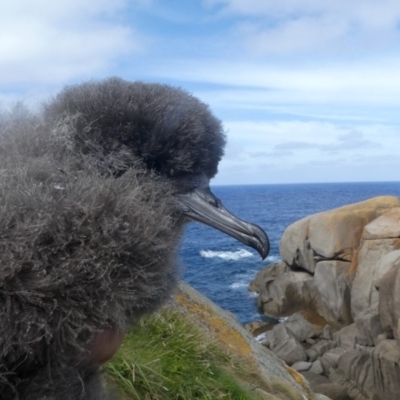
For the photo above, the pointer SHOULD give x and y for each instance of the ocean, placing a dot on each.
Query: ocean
(222, 268)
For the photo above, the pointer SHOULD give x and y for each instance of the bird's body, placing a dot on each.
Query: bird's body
(93, 198)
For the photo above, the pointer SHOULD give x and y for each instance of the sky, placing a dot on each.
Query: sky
(307, 90)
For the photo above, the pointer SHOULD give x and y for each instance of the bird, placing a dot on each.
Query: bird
(96, 189)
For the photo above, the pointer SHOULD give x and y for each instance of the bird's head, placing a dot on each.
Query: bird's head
(164, 131)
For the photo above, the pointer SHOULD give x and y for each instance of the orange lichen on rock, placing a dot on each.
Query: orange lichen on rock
(225, 333)
(313, 317)
(299, 378)
(224, 328)
(351, 272)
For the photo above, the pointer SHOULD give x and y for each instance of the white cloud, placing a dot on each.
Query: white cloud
(338, 90)
(301, 27)
(368, 12)
(58, 10)
(294, 35)
(44, 42)
(298, 151)
(302, 85)
(303, 135)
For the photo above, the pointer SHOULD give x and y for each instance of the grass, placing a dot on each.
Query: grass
(167, 357)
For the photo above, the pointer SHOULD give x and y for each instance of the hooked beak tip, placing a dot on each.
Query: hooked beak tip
(260, 241)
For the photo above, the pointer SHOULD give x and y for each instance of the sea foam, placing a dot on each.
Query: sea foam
(226, 255)
(239, 285)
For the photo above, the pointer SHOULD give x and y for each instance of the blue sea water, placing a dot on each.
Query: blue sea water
(221, 268)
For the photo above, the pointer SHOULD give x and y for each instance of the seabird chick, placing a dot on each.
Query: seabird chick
(94, 194)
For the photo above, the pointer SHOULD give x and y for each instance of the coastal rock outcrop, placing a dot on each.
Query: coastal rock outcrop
(331, 235)
(231, 335)
(344, 266)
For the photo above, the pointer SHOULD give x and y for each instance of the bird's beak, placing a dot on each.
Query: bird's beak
(201, 205)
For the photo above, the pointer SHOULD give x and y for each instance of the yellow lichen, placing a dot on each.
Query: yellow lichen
(301, 381)
(218, 327)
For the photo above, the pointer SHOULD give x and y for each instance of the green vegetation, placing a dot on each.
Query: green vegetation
(167, 357)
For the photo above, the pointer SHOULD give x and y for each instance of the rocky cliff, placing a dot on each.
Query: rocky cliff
(339, 284)
(230, 334)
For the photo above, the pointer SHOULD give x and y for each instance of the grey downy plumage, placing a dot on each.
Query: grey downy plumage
(95, 190)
